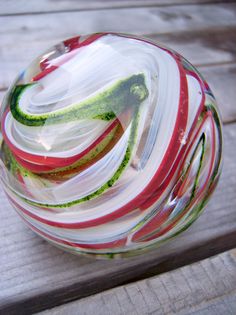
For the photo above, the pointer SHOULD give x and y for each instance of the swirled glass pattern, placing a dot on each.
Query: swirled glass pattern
(111, 144)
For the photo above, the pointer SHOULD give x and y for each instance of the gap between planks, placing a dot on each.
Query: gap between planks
(49, 277)
(200, 38)
(206, 287)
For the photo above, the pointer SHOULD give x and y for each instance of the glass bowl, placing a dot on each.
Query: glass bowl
(111, 144)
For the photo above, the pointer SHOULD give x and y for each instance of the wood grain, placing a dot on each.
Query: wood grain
(209, 32)
(222, 80)
(213, 47)
(12, 7)
(208, 48)
(207, 287)
(35, 276)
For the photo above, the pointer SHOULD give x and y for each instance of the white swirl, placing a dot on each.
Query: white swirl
(133, 179)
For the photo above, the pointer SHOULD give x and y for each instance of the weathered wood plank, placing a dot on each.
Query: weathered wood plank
(212, 47)
(208, 47)
(222, 80)
(207, 39)
(207, 287)
(25, 6)
(35, 276)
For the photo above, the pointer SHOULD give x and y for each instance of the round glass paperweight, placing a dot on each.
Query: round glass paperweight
(111, 144)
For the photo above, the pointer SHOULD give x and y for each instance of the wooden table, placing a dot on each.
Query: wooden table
(34, 276)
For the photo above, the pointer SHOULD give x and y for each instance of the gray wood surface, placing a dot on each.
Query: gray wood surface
(34, 6)
(25, 36)
(35, 276)
(199, 36)
(204, 288)
(208, 47)
(222, 80)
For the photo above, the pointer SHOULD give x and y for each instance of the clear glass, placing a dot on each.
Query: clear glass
(111, 144)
